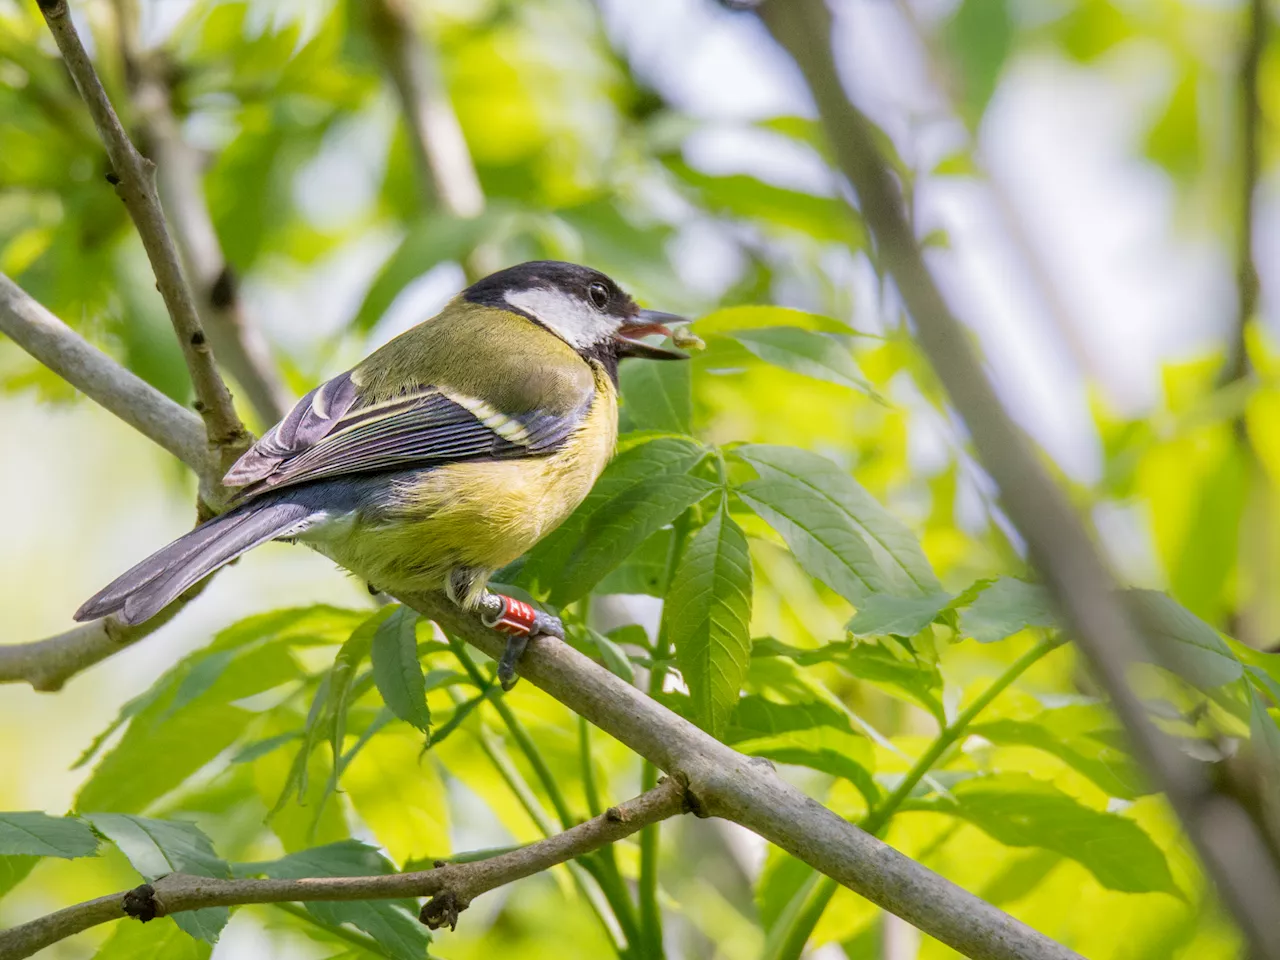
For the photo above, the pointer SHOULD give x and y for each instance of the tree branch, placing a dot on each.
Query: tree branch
(724, 783)
(1236, 366)
(445, 171)
(451, 886)
(238, 344)
(50, 663)
(101, 379)
(446, 174)
(133, 176)
(1227, 838)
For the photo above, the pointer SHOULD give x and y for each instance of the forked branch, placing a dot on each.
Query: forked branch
(452, 886)
(134, 178)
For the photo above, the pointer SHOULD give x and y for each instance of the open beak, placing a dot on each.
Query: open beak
(643, 324)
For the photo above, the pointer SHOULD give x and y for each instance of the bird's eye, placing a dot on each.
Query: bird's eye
(599, 295)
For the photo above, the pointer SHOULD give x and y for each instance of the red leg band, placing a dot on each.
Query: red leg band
(517, 617)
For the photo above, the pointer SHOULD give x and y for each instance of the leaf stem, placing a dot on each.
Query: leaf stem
(650, 911)
(818, 891)
(609, 880)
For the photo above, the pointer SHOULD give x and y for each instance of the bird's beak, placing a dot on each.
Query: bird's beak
(644, 323)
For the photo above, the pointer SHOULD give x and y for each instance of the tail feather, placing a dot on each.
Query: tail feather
(146, 589)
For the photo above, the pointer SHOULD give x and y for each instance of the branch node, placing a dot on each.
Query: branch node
(616, 815)
(438, 864)
(53, 8)
(224, 289)
(141, 903)
(112, 178)
(442, 910)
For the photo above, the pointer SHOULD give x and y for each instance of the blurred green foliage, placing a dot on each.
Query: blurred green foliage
(833, 600)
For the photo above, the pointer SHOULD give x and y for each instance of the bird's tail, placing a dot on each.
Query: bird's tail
(154, 583)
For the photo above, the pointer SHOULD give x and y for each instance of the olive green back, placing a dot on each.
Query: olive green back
(482, 352)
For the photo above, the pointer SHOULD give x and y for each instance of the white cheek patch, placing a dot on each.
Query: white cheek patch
(576, 323)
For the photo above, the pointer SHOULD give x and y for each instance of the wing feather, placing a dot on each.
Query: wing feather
(328, 433)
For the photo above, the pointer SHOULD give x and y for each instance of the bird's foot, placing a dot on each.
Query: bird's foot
(519, 621)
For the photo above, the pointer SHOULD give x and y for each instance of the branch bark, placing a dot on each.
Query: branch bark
(446, 174)
(50, 663)
(721, 782)
(133, 176)
(452, 887)
(445, 171)
(239, 345)
(1229, 841)
(724, 783)
(101, 379)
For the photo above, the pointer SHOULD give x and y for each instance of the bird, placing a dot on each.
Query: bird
(440, 458)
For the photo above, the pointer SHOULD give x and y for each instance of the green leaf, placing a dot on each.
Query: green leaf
(644, 572)
(1019, 811)
(884, 614)
(1020, 877)
(707, 617)
(160, 939)
(818, 355)
(781, 878)
(1196, 650)
(393, 923)
(657, 396)
(1053, 732)
(818, 534)
(159, 847)
(38, 834)
(914, 677)
(235, 665)
(837, 530)
(157, 755)
(555, 565)
(1004, 608)
(432, 240)
(629, 519)
(342, 677)
(732, 321)
(397, 670)
(754, 716)
(827, 219)
(979, 37)
(809, 734)
(260, 748)
(13, 870)
(614, 657)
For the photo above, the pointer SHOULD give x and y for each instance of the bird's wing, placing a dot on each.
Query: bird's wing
(330, 432)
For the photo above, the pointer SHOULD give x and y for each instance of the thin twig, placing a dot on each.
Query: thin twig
(725, 783)
(133, 176)
(1236, 366)
(239, 345)
(445, 172)
(817, 896)
(452, 886)
(1227, 838)
(747, 791)
(101, 379)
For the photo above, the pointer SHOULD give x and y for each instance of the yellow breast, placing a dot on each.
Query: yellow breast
(486, 514)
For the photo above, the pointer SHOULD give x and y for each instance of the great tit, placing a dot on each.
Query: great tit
(443, 456)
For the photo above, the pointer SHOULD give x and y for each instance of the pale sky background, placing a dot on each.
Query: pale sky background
(1059, 140)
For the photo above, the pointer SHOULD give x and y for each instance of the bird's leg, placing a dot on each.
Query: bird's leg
(515, 618)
